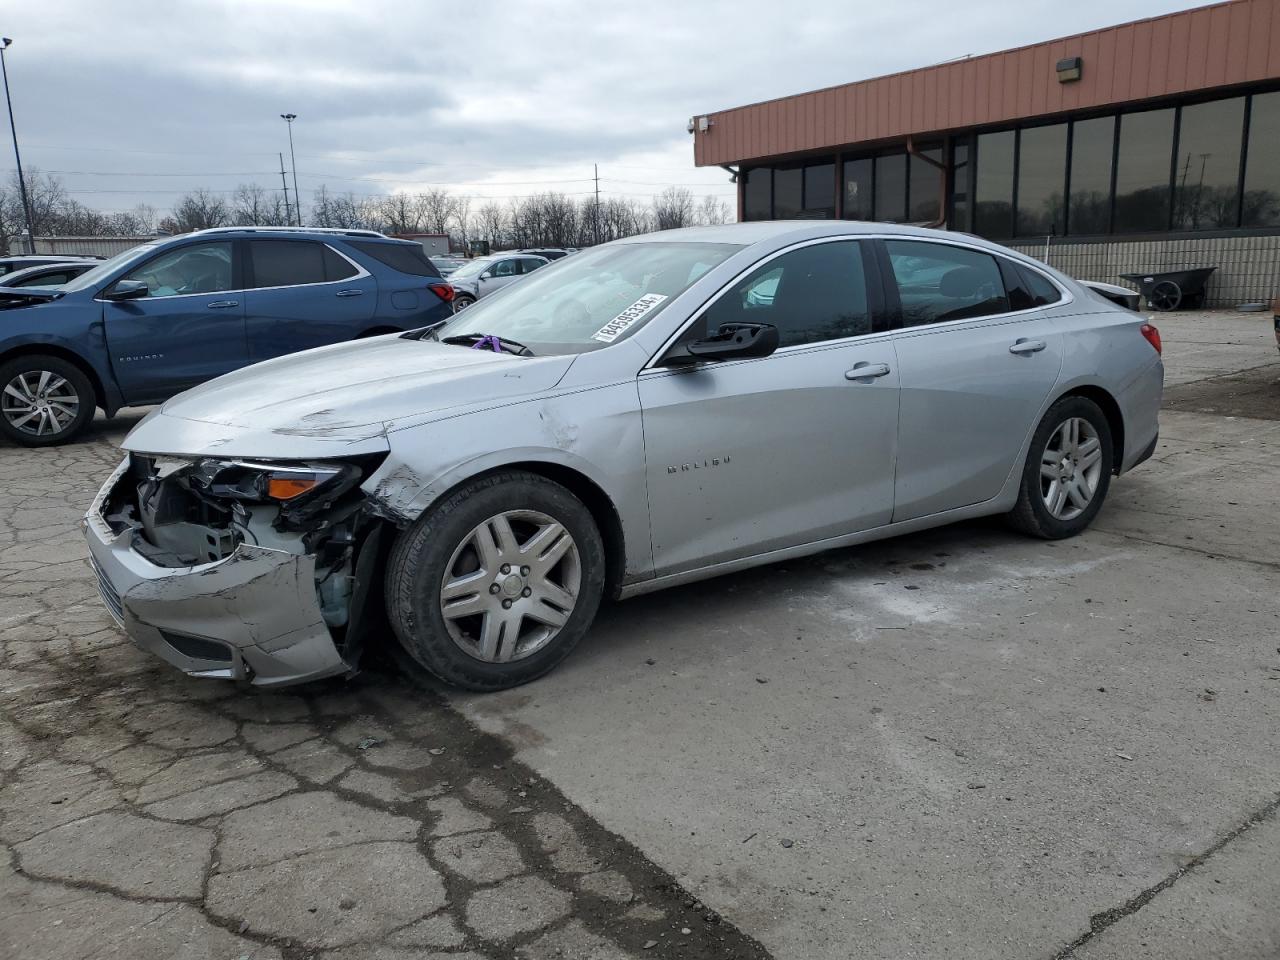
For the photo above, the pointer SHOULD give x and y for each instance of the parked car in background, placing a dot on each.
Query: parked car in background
(167, 315)
(22, 261)
(447, 265)
(551, 253)
(483, 275)
(49, 275)
(653, 411)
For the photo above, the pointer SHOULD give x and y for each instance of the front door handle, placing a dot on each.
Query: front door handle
(1027, 346)
(223, 304)
(350, 293)
(867, 371)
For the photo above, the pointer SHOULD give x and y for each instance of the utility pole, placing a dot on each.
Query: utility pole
(596, 168)
(288, 217)
(17, 157)
(293, 162)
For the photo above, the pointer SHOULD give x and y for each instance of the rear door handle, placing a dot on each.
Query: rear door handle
(1027, 346)
(223, 304)
(867, 371)
(350, 293)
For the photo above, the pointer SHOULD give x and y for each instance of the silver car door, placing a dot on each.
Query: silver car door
(974, 374)
(499, 275)
(748, 456)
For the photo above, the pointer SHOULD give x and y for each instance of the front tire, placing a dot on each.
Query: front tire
(461, 302)
(44, 400)
(494, 586)
(1067, 473)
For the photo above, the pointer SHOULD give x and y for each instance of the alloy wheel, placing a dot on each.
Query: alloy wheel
(510, 586)
(1070, 468)
(39, 403)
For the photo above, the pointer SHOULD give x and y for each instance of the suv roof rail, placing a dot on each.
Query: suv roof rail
(338, 231)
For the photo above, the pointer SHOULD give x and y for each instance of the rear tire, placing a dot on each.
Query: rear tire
(461, 303)
(496, 584)
(1067, 472)
(44, 400)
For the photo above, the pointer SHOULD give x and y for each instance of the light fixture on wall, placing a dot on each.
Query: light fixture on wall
(1069, 69)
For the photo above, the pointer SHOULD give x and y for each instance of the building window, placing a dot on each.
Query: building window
(993, 187)
(961, 170)
(857, 189)
(925, 185)
(1042, 175)
(1262, 172)
(757, 200)
(1142, 172)
(1093, 144)
(1206, 174)
(788, 196)
(891, 188)
(820, 191)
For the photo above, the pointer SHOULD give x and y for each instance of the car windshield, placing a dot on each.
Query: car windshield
(591, 299)
(472, 269)
(91, 278)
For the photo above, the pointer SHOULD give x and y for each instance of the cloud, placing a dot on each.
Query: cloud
(143, 100)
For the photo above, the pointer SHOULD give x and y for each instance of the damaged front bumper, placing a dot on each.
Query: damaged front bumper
(252, 615)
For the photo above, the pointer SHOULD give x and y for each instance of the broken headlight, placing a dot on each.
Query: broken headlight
(269, 482)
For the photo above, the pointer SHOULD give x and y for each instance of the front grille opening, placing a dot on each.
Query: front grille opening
(198, 648)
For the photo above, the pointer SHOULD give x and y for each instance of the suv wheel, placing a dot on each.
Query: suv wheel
(496, 585)
(461, 302)
(44, 400)
(1067, 473)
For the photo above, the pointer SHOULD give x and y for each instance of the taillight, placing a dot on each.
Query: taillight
(1152, 335)
(442, 290)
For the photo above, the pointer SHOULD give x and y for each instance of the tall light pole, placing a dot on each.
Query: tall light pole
(22, 183)
(297, 197)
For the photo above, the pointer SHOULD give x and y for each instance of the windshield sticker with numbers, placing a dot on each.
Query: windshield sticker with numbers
(615, 328)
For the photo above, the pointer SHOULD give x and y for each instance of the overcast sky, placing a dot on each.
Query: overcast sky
(139, 101)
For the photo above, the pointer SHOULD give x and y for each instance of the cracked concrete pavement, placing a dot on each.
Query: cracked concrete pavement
(959, 744)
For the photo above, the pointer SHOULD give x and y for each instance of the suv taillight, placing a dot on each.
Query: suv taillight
(442, 290)
(1152, 335)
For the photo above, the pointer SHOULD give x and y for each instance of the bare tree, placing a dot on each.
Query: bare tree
(200, 210)
(436, 208)
(402, 213)
(673, 208)
(252, 205)
(491, 223)
(462, 218)
(713, 211)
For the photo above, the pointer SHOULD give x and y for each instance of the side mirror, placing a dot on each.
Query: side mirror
(127, 290)
(736, 341)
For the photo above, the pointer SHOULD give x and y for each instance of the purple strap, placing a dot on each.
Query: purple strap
(490, 341)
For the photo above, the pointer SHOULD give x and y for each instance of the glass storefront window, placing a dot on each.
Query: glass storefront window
(857, 189)
(757, 194)
(891, 188)
(1042, 173)
(925, 186)
(1092, 146)
(1262, 171)
(960, 169)
(1142, 172)
(1206, 174)
(819, 191)
(993, 187)
(788, 201)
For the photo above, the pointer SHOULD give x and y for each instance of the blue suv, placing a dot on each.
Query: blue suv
(168, 315)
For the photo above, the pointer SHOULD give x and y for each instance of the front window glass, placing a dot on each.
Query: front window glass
(103, 270)
(199, 268)
(1042, 173)
(1142, 171)
(938, 282)
(757, 195)
(1092, 144)
(591, 299)
(1262, 172)
(506, 268)
(1207, 170)
(993, 186)
(816, 293)
(472, 269)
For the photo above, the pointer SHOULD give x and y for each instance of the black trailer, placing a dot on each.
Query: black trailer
(1173, 288)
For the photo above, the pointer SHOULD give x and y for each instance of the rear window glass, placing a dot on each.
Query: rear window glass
(405, 257)
(286, 263)
(1042, 290)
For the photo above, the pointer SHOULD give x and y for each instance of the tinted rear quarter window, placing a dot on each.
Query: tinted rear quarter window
(1043, 291)
(938, 282)
(403, 257)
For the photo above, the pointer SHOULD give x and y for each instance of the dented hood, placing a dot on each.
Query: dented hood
(350, 395)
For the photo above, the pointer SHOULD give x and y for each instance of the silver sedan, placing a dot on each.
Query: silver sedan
(646, 413)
